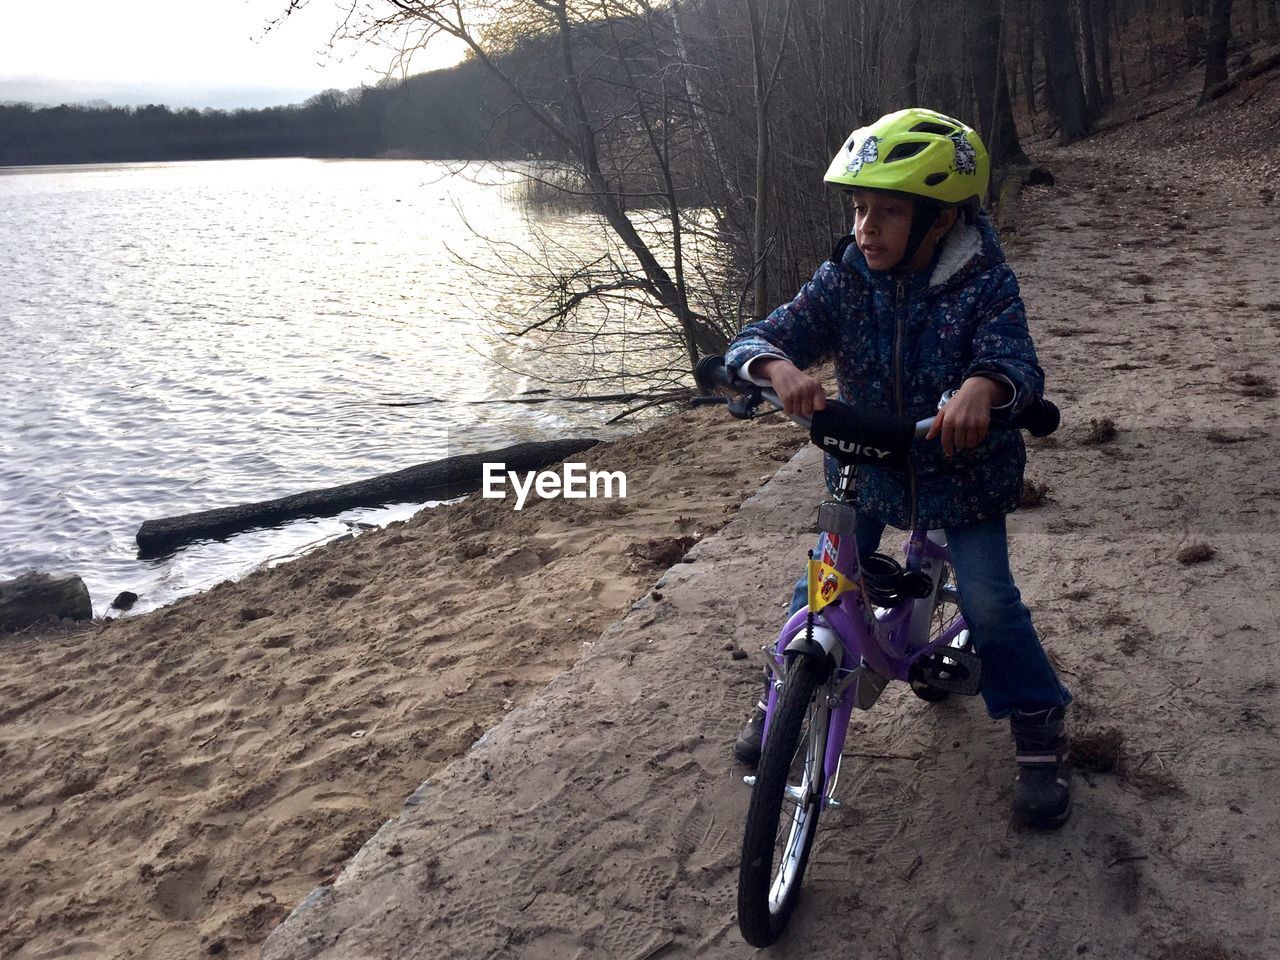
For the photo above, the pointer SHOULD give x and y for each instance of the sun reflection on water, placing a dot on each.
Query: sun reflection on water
(195, 335)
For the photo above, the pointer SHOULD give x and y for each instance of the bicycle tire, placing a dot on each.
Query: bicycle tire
(795, 748)
(944, 613)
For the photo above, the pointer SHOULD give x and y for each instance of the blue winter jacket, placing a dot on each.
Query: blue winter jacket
(898, 344)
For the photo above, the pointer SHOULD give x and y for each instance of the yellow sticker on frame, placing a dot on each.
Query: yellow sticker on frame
(826, 585)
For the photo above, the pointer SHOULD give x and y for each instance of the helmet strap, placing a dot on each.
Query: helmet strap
(924, 215)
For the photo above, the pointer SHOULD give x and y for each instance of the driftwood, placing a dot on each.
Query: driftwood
(438, 480)
(1007, 187)
(36, 596)
(586, 398)
(1007, 203)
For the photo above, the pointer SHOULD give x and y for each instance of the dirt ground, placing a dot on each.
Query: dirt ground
(603, 820)
(175, 783)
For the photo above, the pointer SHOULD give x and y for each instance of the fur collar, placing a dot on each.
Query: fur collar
(967, 245)
(959, 246)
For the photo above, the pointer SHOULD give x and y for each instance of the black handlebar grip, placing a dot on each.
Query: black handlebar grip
(711, 373)
(1040, 419)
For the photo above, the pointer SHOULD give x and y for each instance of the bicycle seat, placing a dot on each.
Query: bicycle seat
(862, 436)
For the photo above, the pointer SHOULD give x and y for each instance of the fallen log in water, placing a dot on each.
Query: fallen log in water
(438, 480)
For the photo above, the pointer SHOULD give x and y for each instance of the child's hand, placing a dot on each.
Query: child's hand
(965, 420)
(800, 393)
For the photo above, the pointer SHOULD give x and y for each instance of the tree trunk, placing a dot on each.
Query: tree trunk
(991, 86)
(696, 104)
(1050, 103)
(912, 66)
(964, 95)
(1215, 59)
(1011, 78)
(38, 596)
(1193, 28)
(1151, 43)
(1029, 62)
(1104, 49)
(1093, 88)
(1063, 71)
(760, 226)
(765, 77)
(1113, 32)
(438, 480)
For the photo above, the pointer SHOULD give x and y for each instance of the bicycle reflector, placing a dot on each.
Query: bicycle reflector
(862, 436)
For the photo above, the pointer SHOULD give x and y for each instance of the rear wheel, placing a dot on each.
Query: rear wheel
(782, 819)
(946, 609)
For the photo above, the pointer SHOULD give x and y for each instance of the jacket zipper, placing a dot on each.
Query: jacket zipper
(899, 334)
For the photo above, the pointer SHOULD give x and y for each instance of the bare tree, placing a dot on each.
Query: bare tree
(1063, 85)
(1029, 60)
(911, 62)
(1215, 59)
(616, 110)
(765, 77)
(991, 85)
(1104, 49)
(1093, 86)
(1193, 15)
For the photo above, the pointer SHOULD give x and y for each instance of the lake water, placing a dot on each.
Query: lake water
(185, 336)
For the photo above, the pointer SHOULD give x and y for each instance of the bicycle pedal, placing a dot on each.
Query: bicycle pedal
(949, 669)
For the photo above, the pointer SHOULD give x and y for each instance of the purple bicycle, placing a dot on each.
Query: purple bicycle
(870, 620)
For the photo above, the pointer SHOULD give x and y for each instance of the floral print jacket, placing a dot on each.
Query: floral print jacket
(898, 344)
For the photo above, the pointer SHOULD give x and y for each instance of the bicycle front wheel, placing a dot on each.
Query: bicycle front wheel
(782, 819)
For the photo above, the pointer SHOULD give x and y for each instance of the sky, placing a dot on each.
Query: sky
(208, 53)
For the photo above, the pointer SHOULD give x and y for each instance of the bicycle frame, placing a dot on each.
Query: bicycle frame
(825, 665)
(882, 643)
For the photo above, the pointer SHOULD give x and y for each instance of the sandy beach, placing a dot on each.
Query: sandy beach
(178, 780)
(174, 784)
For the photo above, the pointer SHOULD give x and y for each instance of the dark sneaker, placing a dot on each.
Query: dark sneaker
(1042, 791)
(747, 746)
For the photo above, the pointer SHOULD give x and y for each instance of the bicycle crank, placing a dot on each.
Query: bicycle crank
(949, 669)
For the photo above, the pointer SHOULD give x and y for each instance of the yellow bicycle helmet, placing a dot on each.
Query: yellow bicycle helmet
(918, 152)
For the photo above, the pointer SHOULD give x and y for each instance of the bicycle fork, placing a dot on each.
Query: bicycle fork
(859, 687)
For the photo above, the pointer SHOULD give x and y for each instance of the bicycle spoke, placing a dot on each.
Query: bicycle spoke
(786, 803)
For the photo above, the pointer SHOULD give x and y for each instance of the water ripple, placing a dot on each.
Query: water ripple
(189, 336)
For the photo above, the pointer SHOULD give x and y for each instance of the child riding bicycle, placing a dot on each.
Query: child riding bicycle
(917, 300)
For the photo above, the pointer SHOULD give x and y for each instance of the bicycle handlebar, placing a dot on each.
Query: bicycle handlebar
(842, 427)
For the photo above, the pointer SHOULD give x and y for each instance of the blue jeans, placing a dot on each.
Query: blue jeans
(1016, 674)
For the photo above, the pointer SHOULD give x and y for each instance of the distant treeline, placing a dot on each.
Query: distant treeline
(457, 113)
(699, 131)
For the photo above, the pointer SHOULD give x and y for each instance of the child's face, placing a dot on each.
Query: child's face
(881, 225)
